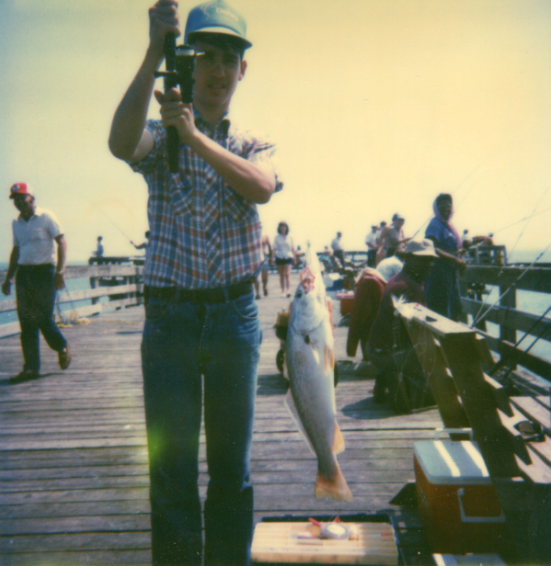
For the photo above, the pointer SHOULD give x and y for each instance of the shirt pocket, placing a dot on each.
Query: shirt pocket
(182, 195)
(238, 209)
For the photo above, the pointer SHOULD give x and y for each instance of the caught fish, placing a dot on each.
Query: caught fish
(310, 365)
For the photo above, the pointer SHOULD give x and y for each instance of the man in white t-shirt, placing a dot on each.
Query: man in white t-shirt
(338, 250)
(40, 273)
(371, 243)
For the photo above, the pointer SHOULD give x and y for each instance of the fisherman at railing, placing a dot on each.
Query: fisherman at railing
(442, 286)
(388, 346)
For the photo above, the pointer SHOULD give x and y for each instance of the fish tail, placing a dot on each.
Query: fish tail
(333, 488)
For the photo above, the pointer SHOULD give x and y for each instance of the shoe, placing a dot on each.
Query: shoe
(288, 295)
(257, 297)
(64, 357)
(265, 292)
(25, 374)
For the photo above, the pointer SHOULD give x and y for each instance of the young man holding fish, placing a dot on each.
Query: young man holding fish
(202, 336)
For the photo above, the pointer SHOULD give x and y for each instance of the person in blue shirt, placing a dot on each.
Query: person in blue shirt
(442, 286)
(99, 248)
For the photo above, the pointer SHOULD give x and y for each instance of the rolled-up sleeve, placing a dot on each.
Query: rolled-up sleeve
(148, 163)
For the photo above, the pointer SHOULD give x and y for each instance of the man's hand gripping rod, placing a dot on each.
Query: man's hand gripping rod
(179, 63)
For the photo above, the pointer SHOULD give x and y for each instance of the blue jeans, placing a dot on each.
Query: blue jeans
(35, 291)
(196, 355)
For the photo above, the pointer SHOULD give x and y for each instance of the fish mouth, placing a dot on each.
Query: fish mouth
(307, 280)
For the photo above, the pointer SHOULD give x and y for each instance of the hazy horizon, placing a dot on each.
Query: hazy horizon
(376, 107)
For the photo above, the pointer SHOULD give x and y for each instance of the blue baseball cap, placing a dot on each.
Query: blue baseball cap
(216, 17)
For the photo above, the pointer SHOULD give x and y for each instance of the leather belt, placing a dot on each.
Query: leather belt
(214, 295)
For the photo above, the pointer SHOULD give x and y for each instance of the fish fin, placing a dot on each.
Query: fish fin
(329, 359)
(292, 408)
(330, 309)
(338, 440)
(333, 488)
(315, 353)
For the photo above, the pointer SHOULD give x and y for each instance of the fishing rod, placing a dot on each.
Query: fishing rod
(478, 318)
(522, 220)
(469, 175)
(524, 352)
(528, 218)
(503, 360)
(525, 226)
(115, 225)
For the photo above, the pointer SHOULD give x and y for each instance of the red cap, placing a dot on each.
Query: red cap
(20, 189)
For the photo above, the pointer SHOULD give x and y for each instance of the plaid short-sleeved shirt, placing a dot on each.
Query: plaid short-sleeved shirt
(202, 233)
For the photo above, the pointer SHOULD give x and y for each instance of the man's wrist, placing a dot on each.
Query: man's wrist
(153, 58)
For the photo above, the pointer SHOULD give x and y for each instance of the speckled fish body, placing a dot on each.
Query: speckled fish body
(310, 364)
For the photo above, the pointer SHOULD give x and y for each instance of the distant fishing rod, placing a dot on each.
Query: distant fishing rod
(522, 220)
(469, 175)
(523, 353)
(478, 318)
(525, 226)
(503, 360)
(115, 225)
(528, 218)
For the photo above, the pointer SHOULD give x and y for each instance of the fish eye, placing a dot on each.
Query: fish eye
(299, 294)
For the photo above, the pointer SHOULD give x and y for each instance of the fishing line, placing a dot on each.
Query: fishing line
(502, 362)
(114, 224)
(73, 315)
(64, 321)
(528, 218)
(524, 352)
(525, 226)
(477, 319)
(469, 175)
(522, 220)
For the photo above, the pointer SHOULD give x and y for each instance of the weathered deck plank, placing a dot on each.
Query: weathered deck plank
(73, 458)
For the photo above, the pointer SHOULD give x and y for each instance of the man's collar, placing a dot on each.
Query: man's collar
(35, 213)
(223, 125)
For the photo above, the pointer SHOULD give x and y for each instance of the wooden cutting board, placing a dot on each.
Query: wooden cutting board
(290, 542)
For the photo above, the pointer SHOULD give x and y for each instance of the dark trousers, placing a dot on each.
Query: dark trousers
(35, 292)
(442, 290)
(200, 357)
(371, 257)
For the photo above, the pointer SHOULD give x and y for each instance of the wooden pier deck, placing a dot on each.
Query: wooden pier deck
(73, 457)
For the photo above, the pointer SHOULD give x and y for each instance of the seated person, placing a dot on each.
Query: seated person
(389, 344)
(391, 266)
(367, 298)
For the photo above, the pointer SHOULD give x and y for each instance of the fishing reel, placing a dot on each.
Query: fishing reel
(180, 64)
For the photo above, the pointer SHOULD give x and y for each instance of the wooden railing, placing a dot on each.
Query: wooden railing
(513, 323)
(121, 284)
(512, 433)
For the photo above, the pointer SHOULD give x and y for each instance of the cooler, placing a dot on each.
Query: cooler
(346, 299)
(456, 499)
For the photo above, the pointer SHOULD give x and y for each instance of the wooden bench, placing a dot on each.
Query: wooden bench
(513, 434)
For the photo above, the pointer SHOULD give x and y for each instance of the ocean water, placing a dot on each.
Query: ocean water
(65, 295)
(528, 301)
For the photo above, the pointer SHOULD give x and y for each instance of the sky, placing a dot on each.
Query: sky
(376, 106)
